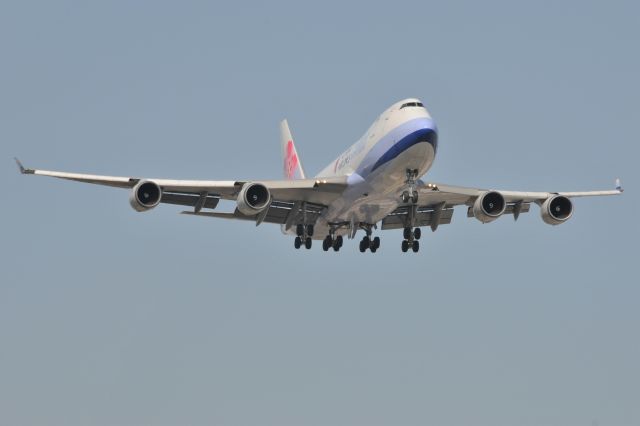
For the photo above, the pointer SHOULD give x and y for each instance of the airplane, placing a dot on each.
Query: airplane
(373, 184)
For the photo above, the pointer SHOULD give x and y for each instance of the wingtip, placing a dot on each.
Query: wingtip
(22, 169)
(619, 185)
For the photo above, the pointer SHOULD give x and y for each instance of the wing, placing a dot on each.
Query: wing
(436, 203)
(457, 195)
(298, 196)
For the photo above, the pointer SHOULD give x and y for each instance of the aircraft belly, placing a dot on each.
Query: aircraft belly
(378, 195)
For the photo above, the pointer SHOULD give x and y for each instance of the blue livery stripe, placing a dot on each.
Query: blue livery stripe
(424, 135)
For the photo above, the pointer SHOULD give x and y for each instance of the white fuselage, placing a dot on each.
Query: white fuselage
(403, 137)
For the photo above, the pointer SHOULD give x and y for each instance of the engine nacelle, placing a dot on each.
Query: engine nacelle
(556, 210)
(253, 198)
(145, 196)
(489, 206)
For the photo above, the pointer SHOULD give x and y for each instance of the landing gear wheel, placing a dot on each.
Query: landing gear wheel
(416, 246)
(327, 243)
(297, 242)
(405, 246)
(366, 241)
(310, 230)
(414, 198)
(299, 230)
(337, 243)
(417, 233)
(406, 233)
(362, 246)
(375, 244)
(405, 197)
(307, 243)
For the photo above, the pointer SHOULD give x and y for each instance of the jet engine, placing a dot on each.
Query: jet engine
(489, 206)
(556, 210)
(253, 198)
(145, 195)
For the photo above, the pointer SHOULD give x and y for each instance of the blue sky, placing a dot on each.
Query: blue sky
(108, 316)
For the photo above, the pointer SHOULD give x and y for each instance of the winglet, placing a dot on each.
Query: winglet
(22, 169)
(619, 185)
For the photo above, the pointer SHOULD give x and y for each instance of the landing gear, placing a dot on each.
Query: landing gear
(299, 242)
(411, 239)
(406, 233)
(411, 195)
(332, 241)
(304, 234)
(375, 244)
(327, 243)
(367, 242)
(337, 243)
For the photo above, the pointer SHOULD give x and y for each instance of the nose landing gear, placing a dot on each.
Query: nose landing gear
(411, 195)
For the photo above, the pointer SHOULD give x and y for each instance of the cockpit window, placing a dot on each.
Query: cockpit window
(412, 104)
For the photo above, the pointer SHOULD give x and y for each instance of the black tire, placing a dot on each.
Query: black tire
(336, 246)
(405, 197)
(406, 233)
(417, 233)
(300, 230)
(326, 243)
(366, 241)
(297, 242)
(405, 246)
(376, 243)
(307, 243)
(373, 249)
(362, 246)
(414, 198)
(416, 246)
(310, 230)
(339, 241)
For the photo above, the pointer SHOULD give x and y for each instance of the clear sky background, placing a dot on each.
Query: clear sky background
(112, 317)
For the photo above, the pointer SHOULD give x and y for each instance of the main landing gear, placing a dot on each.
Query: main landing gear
(304, 232)
(411, 240)
(367, 242)
(332, 241)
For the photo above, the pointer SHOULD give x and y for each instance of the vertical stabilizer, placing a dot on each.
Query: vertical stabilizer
(291, 161)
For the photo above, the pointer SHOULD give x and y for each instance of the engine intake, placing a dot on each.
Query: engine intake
(253, 198)
(489, 206)
(145, 196)
(556, 210)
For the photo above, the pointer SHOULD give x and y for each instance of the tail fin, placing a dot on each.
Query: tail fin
(291, 162)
